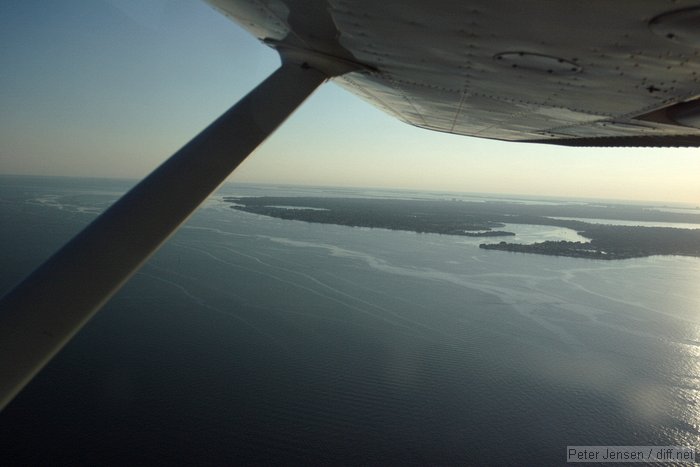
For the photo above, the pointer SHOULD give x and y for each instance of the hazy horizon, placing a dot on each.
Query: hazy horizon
(494, 195)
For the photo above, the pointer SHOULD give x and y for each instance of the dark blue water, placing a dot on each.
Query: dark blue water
(251, 340)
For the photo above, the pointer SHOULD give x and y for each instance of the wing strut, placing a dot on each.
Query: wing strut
(43, 312)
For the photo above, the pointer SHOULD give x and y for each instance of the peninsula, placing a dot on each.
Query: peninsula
(486, 219)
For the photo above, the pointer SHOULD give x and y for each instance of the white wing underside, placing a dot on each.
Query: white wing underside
(547, 71)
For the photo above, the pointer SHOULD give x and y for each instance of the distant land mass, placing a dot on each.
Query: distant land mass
(480, 219)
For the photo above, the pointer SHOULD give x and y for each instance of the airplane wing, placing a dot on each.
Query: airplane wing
(597, 73)
(593, 73)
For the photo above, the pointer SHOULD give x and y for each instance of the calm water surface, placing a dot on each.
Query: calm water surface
(249, 339)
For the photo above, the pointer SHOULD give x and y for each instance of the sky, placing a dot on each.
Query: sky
(111, 88)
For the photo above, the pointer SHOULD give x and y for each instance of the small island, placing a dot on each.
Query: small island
(483, 219)
(489, 233)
